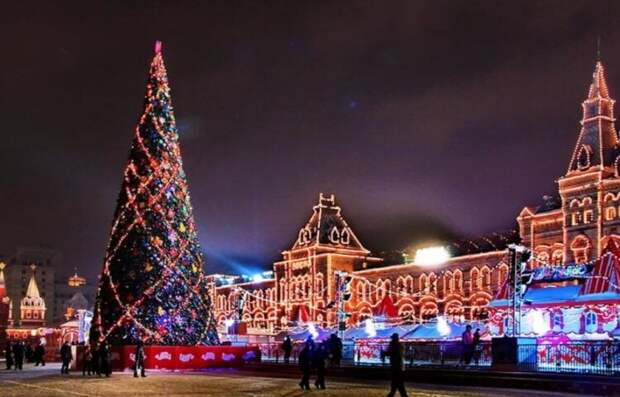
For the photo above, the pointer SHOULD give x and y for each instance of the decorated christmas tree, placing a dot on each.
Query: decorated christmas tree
(152, 286)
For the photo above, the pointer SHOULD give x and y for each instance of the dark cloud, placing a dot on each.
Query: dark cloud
(427, 119)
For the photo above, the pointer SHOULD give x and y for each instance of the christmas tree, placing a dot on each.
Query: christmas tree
(152, 286)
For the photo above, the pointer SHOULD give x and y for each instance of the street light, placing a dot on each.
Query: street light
(431, 256)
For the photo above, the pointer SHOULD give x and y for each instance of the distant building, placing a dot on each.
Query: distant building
(18, 274)
(71, 295)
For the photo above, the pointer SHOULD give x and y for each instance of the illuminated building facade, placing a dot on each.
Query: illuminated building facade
(574, 288)
(303, 288)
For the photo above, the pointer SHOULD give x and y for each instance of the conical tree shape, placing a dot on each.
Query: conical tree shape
(152, 286)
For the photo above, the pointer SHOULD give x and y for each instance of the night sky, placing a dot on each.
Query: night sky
(436, 119)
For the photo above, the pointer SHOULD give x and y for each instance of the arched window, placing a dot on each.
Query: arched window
(588, 216)
(474, 279)
(319, 284)
(448, 282)
(409, 284)
(581, 248)
(486, 278)
(458, 280)
(502, 274)
(542, 259)
(387, 286)
(574, 212)
(423, 282)
(432, 283)
(557, 257)
(610, 213)
(361, 290)
(379, 291)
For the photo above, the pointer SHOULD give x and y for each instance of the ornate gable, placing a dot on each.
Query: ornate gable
(327, 227)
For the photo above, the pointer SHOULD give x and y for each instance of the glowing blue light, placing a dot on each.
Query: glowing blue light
(442, 326)
(369, 328)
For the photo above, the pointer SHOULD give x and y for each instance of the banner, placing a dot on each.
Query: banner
(185, 357)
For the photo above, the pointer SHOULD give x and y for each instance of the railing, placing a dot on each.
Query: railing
(578, 357)
(601, 358)
(373, 353)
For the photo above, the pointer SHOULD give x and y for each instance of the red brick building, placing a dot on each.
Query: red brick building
(571, 229)
(304, 284)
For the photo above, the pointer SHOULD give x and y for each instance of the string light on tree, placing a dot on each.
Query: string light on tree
(152, 286)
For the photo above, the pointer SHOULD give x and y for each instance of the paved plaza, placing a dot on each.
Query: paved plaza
(47, 381)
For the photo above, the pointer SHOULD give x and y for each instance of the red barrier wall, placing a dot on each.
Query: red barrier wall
(186, 358)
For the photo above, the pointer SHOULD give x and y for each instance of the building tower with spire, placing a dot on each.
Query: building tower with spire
(32, 308)
(578, 229)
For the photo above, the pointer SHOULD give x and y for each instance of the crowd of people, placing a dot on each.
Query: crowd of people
(95, 361)
(16, 353)
(318, 356)
(314, 356)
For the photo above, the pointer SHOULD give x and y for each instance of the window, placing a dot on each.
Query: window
(588, 216)
(574, 218)
(474, 277)
(458, 280)
(610, 213)
(591, 322)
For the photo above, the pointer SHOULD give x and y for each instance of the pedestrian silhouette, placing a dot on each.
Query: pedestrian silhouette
(397, 366)
(305, 363)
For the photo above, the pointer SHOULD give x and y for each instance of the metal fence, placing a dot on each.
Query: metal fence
(601, 358)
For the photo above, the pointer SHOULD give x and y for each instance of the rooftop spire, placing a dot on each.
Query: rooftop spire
(597, 144)
(33, 290)
(598, 88)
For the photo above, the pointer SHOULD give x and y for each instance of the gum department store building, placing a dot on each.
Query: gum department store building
(573, 229)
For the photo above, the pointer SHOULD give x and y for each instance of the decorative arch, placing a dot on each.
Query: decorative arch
(345, 236)
(502, 274)
(474, 279)
(581, 246)
(458, 280)
(334, 235)
(485, 275)
(584, 157)
(448, 282)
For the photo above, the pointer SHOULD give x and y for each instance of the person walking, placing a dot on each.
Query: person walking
(467, 342)
(396, 353)
(8, 354)
(105, 361)
(87, 361)
(139, 360)
(39, 355)
(287, 347)
(18, 353)
(65, 356)
(305, 364)
(477, 348)
(318, 362)
(29, 353)
(335, 350)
